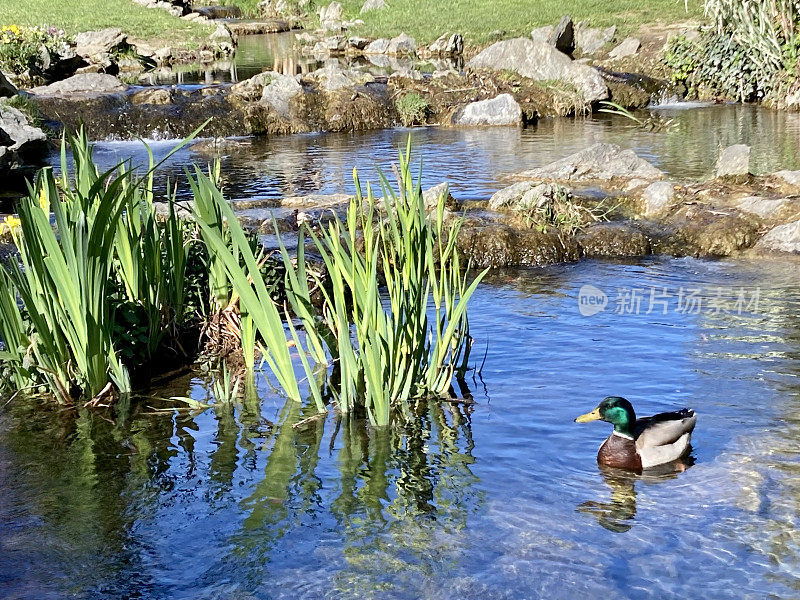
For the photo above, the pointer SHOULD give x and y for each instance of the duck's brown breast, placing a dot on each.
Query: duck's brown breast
(619, 452)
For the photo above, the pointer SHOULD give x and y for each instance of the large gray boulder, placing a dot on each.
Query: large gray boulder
(783, 238)
(590, 39)
(379, 46)
(280, 91)
(541, 62)
(563, 36)
(7, 88)
(83, 83)
(402, 45)
(542, 34)
(447, 45)
(90, 43)
(628, 47)
(734, 162)
(21, 144)
(601, 162)
(501, 110)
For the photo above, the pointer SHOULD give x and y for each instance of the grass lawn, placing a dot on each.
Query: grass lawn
(75, 16)
(425, 20)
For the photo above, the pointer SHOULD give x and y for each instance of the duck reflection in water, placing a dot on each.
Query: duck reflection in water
(618, 515)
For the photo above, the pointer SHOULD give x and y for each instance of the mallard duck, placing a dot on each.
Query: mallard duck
(637, 444)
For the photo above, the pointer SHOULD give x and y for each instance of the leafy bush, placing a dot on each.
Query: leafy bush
(751, 49)
(29, 51)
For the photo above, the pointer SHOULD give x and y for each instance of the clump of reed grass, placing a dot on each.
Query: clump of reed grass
(62, 298)
(393, 326)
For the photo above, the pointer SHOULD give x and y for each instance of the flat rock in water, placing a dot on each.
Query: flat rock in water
(762, 207)
(84, 83)
(540, 61)
(783, 238)
(734, 161)
(502, 110)
(601, 162)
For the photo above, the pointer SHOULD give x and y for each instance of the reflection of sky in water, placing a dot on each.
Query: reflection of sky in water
(505, 501)
(475, 161)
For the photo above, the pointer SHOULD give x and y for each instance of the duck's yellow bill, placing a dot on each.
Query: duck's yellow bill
(590, 416)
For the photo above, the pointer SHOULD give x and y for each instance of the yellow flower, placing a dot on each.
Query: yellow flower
(12, 224)
(44, 200)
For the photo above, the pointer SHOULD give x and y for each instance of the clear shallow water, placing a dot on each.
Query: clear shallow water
(477, 162)
(501, 501)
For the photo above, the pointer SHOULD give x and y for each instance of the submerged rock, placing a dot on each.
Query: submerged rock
(603, 162)
(502, 110)
(498, 245)
(783, 238)
(734, 162)
(83, 83)
(541, 62)
(614, 240)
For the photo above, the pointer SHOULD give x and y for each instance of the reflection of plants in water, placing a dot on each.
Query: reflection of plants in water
(405, 498)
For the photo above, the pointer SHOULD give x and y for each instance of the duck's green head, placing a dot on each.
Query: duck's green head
(614, 410)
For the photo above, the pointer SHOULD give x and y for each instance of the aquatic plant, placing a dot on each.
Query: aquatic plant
(393, 324)
(77, 292)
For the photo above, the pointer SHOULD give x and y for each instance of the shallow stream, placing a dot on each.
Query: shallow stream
(499, 500)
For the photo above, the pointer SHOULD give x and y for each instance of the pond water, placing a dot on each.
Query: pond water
(502, 499)
(477, 162)
(280, 52)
